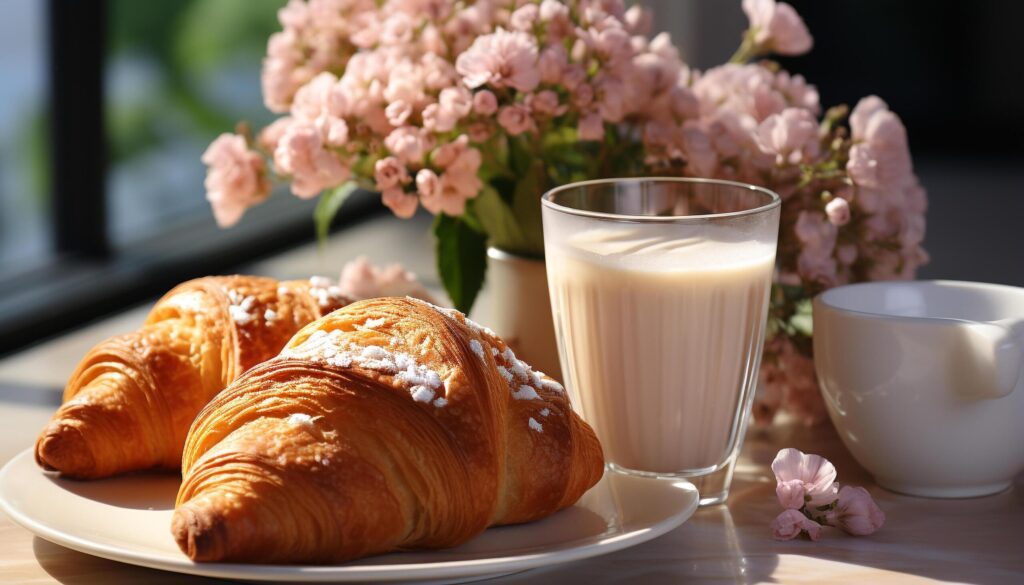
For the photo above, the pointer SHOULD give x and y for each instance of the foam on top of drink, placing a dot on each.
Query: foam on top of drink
(661, 248)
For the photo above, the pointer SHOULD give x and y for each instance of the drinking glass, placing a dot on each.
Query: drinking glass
(659, 291)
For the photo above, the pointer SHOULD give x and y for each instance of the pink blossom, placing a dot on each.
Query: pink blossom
(797, 92)
(846, 254)
(802, 478)
(409, 144)
(515, 119)
(311, 99)
(405, 84)
(545, 103)
(791, 135)
(590, 127)
(427, 184)
(449, 192)
(390, 172)
(366, 29)
(269, 136)
(397, 29)
(334, 130)
(438, 119)
(485, 103)
(456, 102)
(553, 10)
(553, 60)
(815, 231)
(480, 132)
(458, 183)
(791, 523)
(398, 112)
(838, 211)
(278, 82)
(362, 280)
(293, 15)
(638, 20)
(611, 97)
(684, 103)
(611, 45)
(437, 72)
(856, 513)
(778, 27)
(697, 150)
(301, 154)
(235, 180)
(433, 40)
(583, 96)
(446, 154)
(524, 17)
(574, 76)
(556, 16)
(659, 66)
(500, 59)
(802, 398)
(880, 156)
(400, 203)
(863, 113)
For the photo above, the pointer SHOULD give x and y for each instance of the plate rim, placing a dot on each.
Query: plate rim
(496, 565)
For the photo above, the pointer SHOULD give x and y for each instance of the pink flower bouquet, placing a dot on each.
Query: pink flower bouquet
(473, 109)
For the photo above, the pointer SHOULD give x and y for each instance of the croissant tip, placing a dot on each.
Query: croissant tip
(196, 538)
(62, 448)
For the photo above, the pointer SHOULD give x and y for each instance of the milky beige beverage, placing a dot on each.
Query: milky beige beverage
(661, 332)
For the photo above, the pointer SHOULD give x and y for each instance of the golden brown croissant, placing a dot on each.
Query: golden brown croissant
(130, 402)
(389, 424)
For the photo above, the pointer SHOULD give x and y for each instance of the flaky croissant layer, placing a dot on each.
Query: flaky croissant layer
(389, 424)
(130, 402)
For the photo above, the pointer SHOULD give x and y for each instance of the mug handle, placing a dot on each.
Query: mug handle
(992, 357)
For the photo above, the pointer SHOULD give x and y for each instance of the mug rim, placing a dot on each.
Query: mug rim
(823, 299)
(774, 200)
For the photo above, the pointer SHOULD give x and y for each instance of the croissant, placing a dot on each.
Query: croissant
(129, 404)
(389, 424)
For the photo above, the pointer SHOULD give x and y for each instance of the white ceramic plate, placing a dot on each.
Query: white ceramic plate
(128, 519)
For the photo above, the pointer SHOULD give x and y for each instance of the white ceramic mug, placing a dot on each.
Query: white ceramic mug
(923, 382)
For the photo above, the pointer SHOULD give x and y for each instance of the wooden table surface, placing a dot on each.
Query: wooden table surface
(979, 540)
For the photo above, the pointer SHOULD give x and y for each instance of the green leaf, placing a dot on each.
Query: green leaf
(461, 259)
(526, 206)
(327, 208)
(801, 320)
(497, 219)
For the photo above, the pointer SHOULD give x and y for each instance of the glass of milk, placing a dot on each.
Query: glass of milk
(659, 291)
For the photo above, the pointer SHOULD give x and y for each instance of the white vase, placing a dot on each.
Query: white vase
(515, 304)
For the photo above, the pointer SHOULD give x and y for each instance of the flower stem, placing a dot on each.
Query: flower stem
(747, 50)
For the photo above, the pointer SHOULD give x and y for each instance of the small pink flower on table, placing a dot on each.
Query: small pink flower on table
(803, 479)
(791, 523)
(362, 280)
(855, 512)
(806, 488)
